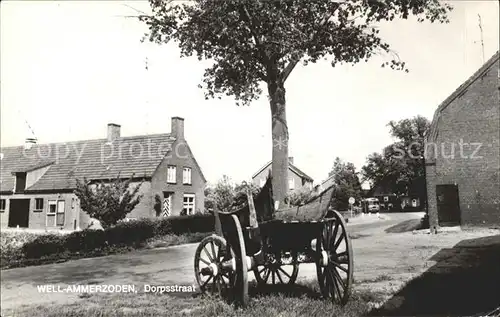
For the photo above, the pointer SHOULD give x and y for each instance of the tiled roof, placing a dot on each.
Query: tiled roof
(433, 130)
(93, 159)
(292, 167)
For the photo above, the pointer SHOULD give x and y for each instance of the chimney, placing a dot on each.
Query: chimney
(113, 132)
(29, 142)
(290, 159)
(177, 129)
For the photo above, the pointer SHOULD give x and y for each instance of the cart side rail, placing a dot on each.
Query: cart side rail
(314, 210)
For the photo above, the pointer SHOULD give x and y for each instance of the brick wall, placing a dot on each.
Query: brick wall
(180, 157)
(467, 152)
(262, 177)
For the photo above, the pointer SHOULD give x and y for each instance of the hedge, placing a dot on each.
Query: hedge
(124, 234)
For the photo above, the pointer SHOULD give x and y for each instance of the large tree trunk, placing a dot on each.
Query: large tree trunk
(279, 142)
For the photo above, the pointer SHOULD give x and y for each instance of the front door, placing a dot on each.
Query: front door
(19, 213)
(448, 206)
(166, 209)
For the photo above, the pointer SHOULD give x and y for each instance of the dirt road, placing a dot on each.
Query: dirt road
(382, 260)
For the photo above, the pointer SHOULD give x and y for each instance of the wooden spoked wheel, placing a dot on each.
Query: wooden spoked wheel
(281, 268)
(335, 260)
(214, 266)
(240, 290)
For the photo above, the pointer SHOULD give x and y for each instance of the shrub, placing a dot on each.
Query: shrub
(88, 240)
(11, 244)
(124, 234)
(191, 223)
(131, 233)
(44, 245)
(108, 202)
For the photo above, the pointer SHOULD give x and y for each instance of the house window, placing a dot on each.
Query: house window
(188, 204)
(262, 182)
(20, 182)
(186, 175)
(171, 171)
(38, 205)
(3, 204)
(291, 183)
(55, 213)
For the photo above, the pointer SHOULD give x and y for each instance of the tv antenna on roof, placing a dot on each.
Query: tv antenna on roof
(33, 135)
(146, 82)
(481, 30)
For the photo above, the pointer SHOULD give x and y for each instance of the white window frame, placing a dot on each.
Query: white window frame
(39, 209)
(171, 174)
(186, 205)
(186, 176)
(53, 222)
(63, 212)
(291, 183)
(4, 205)
(51, 215)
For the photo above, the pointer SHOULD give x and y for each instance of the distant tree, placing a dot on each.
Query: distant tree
(301, 196)
(108, 202)
(226, 195)
(347, 182)
(252, 42)
(400, 168)
(241, 190)
(221, 196)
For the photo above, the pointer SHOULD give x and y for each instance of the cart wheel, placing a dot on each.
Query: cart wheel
(335, 261)
(281, 269)
(212, 277)
(241, 274)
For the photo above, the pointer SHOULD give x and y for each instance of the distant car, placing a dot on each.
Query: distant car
(372, 205)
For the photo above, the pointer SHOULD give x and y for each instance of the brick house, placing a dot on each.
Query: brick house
(37, 180)
(462, 153)
(296, 178)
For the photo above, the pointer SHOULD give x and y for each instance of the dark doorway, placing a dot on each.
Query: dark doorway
(448, 205)
(19, 213)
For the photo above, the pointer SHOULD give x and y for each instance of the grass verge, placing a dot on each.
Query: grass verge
(299, 300)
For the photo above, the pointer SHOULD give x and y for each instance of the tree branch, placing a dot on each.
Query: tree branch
(258, 42)
(298, 55)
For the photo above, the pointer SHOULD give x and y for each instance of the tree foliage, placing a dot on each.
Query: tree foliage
(221, 196)
(300, 196)
(251, 41)
(108, 202)
(227, 196)
(347, 182)
(400, 168)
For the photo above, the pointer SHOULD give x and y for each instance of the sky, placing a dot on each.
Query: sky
(70, 68)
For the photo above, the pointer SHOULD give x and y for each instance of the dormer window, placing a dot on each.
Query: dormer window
(20, 182)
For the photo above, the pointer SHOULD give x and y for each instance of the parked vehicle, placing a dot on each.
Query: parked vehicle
(371, 205)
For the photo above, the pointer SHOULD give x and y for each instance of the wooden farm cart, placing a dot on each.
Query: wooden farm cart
(272, 245)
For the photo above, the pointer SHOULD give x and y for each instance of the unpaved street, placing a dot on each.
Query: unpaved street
(382, 261)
